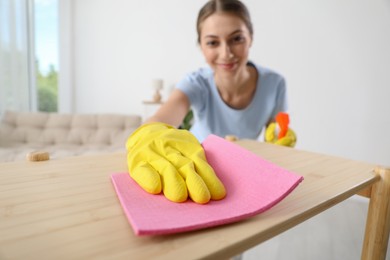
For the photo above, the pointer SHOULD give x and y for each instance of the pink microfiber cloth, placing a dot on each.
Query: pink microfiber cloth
(253, 185)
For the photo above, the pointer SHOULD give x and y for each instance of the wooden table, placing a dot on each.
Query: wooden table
(68, 209)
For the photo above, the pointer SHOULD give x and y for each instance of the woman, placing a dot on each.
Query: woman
(231, 97)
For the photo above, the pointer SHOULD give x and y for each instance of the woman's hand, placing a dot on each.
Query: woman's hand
(279, 132)
(271, 136)
(164, 159)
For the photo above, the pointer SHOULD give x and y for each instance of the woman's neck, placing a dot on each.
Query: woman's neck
(238, 90)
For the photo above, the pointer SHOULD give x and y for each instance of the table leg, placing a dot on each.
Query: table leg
(377, 231)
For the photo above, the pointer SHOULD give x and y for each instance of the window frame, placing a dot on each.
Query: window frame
(65, 76)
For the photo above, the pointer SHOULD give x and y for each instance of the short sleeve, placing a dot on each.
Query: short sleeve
(196, 87)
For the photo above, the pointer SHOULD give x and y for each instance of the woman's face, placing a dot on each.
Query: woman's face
(225, 41)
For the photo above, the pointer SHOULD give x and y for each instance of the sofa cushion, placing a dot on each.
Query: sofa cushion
(72, 133)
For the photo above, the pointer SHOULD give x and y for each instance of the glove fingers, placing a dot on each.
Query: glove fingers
(285, 141)
(146, 177)
(291, 134)
(173, 185)
(288, 140)
(197, 189)
(191, 162)
(213, 183)
(270, 133)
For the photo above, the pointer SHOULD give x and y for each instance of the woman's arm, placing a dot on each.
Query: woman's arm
(173, 111)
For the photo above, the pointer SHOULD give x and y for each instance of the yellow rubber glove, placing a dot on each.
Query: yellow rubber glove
(271, 136)
(164, 159)
(279, 132)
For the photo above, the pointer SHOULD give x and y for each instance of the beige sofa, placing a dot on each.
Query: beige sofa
(63, 134)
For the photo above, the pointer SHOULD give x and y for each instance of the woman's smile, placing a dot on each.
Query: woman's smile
(227, 66)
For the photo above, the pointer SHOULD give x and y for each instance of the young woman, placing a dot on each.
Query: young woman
(233, 96)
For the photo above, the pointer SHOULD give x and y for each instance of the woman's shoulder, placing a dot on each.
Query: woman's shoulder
(266, 72)
(202, 72)
(201, 76)
(198, 80)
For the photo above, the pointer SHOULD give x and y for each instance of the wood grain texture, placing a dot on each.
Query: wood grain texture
(68, 209)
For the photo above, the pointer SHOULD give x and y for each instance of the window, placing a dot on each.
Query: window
(28, 55)
(46, 53)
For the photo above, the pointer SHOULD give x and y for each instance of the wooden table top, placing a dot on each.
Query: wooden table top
(68, 209)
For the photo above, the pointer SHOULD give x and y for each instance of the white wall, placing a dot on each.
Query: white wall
(334, 54)
(121, 46)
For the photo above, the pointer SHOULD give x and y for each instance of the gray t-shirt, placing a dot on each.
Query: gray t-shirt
(213, 116)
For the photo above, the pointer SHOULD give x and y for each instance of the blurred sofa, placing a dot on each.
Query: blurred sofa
(63, 134)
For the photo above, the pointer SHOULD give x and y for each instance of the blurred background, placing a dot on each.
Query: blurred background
(102, 56)
(92, 56)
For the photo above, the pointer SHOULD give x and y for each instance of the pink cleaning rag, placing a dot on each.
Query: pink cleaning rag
(253, 185)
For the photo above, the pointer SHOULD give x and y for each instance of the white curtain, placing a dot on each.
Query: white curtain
(15, 56)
